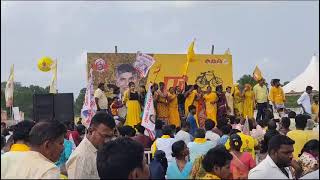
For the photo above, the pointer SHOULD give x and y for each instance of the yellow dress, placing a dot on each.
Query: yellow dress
(248, 104)
(237, 99)
(133, 109)
(174, 117)
(189, 101)
(162, 108)
(211, 110)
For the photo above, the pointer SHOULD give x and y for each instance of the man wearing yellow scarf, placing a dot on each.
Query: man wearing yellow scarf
(216, 163)
(200, 145)
(20, 136)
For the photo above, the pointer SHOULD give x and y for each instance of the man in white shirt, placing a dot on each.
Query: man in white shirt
(183, 134)
(210, 135)
(100, 98)
(82, 162)
(46, 145)
(305, 102)
(276, 164)
(164, 143)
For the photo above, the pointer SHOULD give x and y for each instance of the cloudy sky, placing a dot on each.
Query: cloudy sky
(279, 37)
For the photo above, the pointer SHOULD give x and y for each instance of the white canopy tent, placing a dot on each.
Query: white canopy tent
(309, 77)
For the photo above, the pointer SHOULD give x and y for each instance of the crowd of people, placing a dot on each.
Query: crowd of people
(198, 135)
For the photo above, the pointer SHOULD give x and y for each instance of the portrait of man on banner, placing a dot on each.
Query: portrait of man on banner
(126, 73)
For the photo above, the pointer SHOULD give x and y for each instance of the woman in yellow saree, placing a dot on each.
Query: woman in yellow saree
(211, 99)
(174, 117)
(248, 103)
(238, 101)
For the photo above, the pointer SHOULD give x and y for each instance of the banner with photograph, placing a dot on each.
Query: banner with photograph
(204, 70)
(143, 63)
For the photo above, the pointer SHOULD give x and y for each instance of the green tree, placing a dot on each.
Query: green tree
(79, 102)
(22, 97)
(246, 79)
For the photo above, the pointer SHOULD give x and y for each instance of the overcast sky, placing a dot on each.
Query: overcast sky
(279, 37)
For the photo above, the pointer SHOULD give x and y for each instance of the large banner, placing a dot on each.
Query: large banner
(204, 70)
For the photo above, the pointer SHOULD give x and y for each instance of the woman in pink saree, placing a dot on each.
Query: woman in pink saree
(242, 162)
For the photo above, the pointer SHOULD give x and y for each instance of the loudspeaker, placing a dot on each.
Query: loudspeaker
(43, 107)
(63, 107)
(53, 107)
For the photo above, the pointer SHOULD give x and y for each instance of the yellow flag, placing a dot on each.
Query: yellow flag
(53, 85)
(257, 75)
(190, 55)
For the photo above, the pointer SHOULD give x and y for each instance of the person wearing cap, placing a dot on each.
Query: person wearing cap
(305, 102)
(277, 96)
(242, 162)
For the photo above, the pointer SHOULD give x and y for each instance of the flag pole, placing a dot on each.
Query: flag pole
(11, 112)
(156, 77)
(12, 91)
(56, 74)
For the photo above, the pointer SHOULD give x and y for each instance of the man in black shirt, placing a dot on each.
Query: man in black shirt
(181, 100)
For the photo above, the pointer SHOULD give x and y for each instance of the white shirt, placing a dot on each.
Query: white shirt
(184, 136)
(102, 99)
(212, 137)
(312, 175)
(305, 101)
(292, 124)
(27, 165)
(165, 144)
(82, 163)
(267, 169)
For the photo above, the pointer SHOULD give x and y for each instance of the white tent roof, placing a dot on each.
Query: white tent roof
(309, 77)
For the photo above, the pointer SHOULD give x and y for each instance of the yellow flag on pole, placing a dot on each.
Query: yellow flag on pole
(9, 88)
(53, 84)
(257, 75)
(190, 55)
